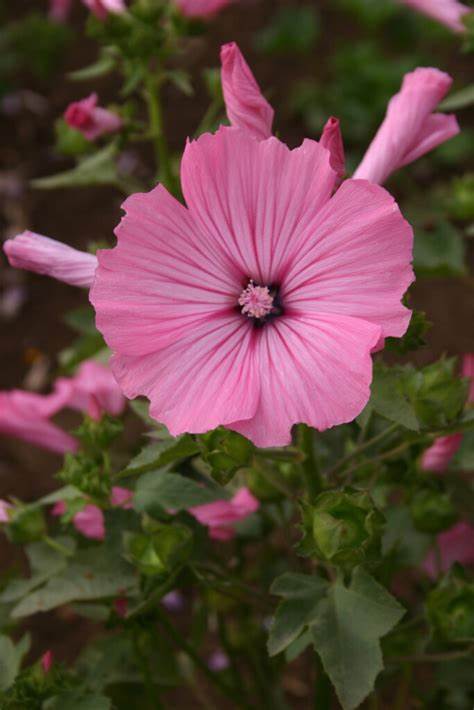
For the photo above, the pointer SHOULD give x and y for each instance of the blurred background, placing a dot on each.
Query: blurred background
(313, 59)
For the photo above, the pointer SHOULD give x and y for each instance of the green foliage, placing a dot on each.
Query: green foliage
(440, 251)
(461, 200)
(97, 169)
(11, 656)
(450, 608)
(69, 141)
(159, 551)
(432, 510)
(225, 452)
(160, 491)
(27, 524)
(162, 453)
(293, 30)
(413, 339)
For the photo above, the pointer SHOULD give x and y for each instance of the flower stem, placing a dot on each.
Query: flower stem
(361, 449)
(155, 113)
(309, 465)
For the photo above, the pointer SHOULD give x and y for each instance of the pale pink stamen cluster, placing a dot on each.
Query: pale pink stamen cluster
(256, 301)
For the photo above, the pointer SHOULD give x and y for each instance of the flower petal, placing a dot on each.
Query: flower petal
(359, 262)
(315, 369)
(253, 198)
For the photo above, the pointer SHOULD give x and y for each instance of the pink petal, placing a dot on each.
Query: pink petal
(201, 8)
(90, 119)
(121, 497)
(357, 260)
(101, 8)
(42, 255)
(438, 456)
(94, 390)
(47, 661)
(447, 12)
(174, 278)
(59, 508)
(221, 515)
(455, 545)
(316, 368)
(4, 508)
(245, 105)
(244, 502)
(253, 200)
(331, 138)
(206, 379)
(59, 10)
(409, 130)
(90, 522)
(468, 371)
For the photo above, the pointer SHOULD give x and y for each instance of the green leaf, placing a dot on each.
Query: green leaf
(389, 396)
(439, 252)
(414, 338)
(96, 169)
(460, 99)
(302, 595)
(104, 65)
(292, 31)
(182, 80)
(75, 700)
(171, 491)
(349, 624)
(163, 452)
(82, 320)
(11, 657)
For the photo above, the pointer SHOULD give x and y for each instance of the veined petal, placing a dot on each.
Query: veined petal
(357, 262)
(331, 138)
(447, 12)
(315, 369)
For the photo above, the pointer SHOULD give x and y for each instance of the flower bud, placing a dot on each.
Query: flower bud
(27, 524)
(342, 527)
(450, 609)
(161, 551)
(432, 511)
(225, 452)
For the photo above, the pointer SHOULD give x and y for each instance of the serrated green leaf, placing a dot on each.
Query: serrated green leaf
(346, 633)
(171, 491)
(302, 595)
(389, 396)
(97, 169)
(161, 453)
(11, 657)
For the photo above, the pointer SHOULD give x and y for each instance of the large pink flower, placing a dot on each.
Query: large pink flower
(201, 8)
(90, 119)
(448, 12)
(43, 255)
(454, 545)
(410, 128)
(221, 516)
(257, 306)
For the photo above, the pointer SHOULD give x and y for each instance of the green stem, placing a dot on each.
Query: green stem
(309, 465)
(152, 696)
(361, 449)
(58, 547)
(433, 657)
(155, 113)
(210, 117)
(401, 701)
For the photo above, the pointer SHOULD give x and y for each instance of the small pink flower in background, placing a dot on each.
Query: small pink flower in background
(4, 508)
(43, 255)
(47, 661)
(410, 128)
(455, 545)
(121, 497)
(93, 389)
(258, 216)
(91, 120)
(218, 661)
(201, 8)
(59, 508)
(121, 606)
(101, 8)
(221, 515)
(438, 456)
(90, 522)
(447, 12)
(245, 105)
(59, 10)
(331, 138)
(173, 601)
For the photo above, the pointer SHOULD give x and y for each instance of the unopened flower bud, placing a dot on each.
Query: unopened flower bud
(432, 511)
(160, 551)
(27, 524)
(450, 609)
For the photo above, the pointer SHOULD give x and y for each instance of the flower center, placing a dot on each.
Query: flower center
(260, 303)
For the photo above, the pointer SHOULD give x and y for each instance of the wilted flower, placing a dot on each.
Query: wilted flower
(91, 120)
(448, 12)
(43, 255)
(331, 270)
(221, 515)
(201, 8)
(454, 545)
(410, 128)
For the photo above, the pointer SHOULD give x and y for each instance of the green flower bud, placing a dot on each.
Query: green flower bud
(450, 609)
(225, 452)
(161, 551)
(432, 511)
(342, 527)
(27, 524)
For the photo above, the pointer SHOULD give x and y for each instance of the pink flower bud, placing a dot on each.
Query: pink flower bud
(410, 128)
(43, 255)
(46, 661)
(121, 497)
(91, 120)
(90, 522)
(245, 104)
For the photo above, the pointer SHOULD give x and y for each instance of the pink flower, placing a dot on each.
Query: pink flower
(43, 255)
(4, 508)
(245, 105)
(93, 389)
(220, 516)
(91, 120)
(331, 139)
(46, 661)
(90, 522)
(438, 456)
(201, 8)
(447, 12)
(59, 508)
(455, 545)
(121, 497)
(258, 213)
(59, 10)
(410, 128)
(25, 415)
(101, 9)
(173, 601)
